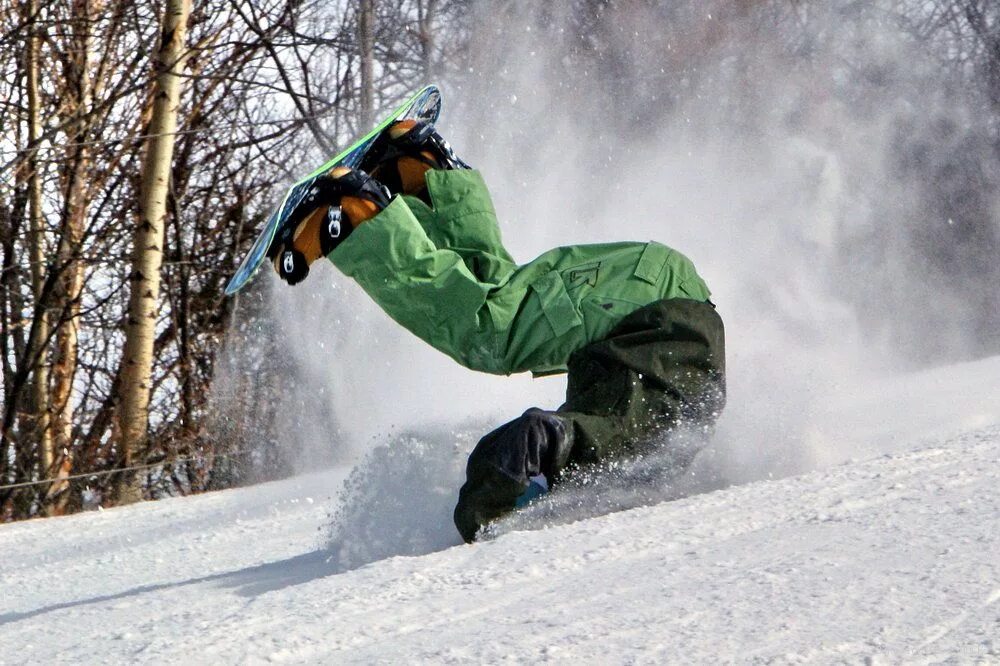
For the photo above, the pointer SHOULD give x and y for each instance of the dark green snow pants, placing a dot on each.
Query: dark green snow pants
(661, 367)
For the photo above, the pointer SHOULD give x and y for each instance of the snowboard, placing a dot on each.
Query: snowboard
(424, 105)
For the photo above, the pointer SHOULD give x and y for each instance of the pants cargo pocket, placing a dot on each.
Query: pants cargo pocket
(651, 263)
(556, 305)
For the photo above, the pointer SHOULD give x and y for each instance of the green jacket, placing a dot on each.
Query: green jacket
(444, 274)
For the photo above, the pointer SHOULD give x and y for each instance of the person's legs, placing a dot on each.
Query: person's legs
(415, 161)
(442, 272)
(661, 367)
(461, 218)
(430, 289)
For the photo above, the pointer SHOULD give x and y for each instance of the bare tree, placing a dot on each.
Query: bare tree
(40, 327)
(147, 250)
(77, 98)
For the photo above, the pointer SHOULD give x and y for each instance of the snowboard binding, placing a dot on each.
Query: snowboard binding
(404, 153)
(425, 105)
(327, 214)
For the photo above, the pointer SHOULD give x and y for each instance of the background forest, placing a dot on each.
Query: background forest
(891, 108)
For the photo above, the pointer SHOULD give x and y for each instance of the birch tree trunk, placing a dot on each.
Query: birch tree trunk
(148, 245)
(36, 354)
(366, 41)
(71, 280)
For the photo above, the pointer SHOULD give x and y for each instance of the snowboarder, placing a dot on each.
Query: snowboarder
(631, 323)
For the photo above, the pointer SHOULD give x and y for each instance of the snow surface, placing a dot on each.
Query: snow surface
(886, 554)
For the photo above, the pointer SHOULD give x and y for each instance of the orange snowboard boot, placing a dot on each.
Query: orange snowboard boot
(411, 148)
(336, 204)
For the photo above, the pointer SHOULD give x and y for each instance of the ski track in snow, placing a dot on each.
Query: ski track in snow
(886, 559)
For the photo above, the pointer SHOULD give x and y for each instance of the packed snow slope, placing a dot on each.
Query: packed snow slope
(888, 557)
